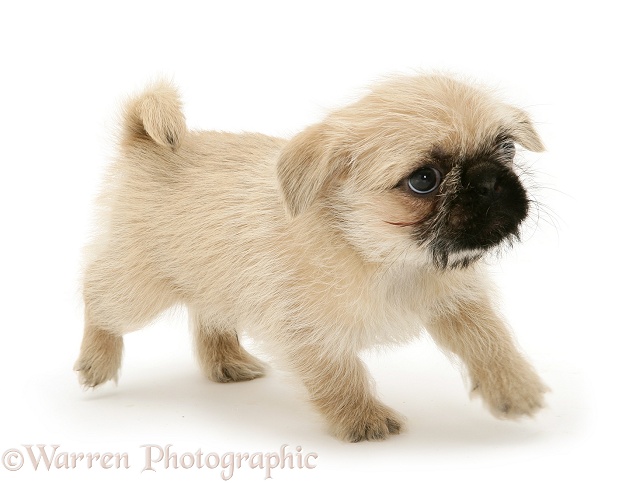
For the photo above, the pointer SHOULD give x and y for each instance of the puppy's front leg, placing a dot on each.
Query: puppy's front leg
(500, 375)
(339, 388)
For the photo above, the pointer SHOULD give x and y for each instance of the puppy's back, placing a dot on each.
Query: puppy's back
(199, 211)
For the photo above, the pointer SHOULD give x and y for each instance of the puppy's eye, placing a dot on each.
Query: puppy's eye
(425, 180)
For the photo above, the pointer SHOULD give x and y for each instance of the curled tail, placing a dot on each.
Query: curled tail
(155, 115)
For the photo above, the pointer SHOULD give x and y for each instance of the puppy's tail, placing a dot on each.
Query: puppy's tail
(155, 115)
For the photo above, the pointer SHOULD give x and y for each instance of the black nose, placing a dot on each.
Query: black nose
(489, 186)
(486, 182)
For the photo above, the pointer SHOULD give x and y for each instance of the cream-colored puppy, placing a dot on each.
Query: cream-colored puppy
(367, 228)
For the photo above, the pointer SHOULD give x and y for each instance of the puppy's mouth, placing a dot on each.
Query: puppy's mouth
(484, 211)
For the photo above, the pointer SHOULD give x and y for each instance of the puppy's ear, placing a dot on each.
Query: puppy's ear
(307, 164)
(522, 130)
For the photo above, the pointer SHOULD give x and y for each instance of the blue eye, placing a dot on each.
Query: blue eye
(424, 180)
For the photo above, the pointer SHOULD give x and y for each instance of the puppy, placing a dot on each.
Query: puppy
(367, 228)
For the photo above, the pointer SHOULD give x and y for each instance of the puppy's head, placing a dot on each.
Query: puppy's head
(420, 169)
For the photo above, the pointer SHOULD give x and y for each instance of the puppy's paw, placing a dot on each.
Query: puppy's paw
(94, 375)
(374, 423)
(245, 368)
(100, 358)
(512, 395)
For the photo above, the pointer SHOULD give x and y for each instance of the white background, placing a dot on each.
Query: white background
(277, 67)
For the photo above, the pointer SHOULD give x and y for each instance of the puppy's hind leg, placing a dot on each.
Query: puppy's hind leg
(100, 355)
(220, 354)
(118, 298)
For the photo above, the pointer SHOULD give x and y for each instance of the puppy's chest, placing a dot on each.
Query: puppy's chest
(394, 311)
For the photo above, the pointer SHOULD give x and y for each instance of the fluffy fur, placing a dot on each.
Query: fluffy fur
(311, 245)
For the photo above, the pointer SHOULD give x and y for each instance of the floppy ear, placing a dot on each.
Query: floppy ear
(523, 132)
(306, 165)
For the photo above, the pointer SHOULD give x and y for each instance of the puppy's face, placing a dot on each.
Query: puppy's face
(467, 203)
(420, 170)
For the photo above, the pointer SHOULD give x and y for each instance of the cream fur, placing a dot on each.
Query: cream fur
(289, 241)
